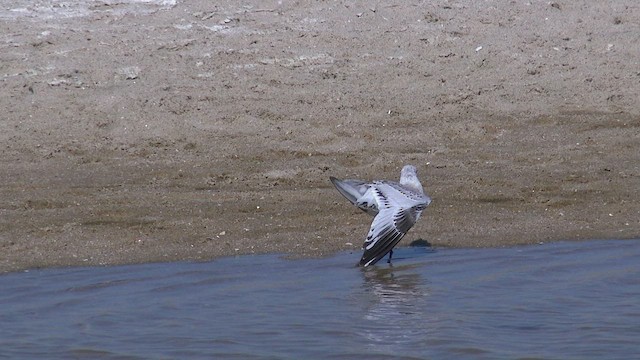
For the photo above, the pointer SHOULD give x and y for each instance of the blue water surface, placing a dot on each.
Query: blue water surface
(567, 300)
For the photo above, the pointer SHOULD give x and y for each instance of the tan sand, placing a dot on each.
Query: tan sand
(197, 130)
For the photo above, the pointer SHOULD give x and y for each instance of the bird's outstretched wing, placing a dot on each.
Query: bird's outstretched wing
(397, 214)
(358, 192)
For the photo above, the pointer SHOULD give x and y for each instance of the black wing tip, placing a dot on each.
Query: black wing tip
(378, 253)
(368, 261)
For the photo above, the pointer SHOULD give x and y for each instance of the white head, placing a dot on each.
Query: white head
(409, 178)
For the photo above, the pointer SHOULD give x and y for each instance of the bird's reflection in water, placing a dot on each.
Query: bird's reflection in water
(398, 296)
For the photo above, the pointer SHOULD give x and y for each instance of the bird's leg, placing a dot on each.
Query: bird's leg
(390, 255)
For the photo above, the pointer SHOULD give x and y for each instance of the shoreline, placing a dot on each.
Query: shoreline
(290, 256)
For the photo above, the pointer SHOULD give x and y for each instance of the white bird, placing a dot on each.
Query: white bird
(395, 206)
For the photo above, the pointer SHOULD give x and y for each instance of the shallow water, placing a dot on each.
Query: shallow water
(560, 300)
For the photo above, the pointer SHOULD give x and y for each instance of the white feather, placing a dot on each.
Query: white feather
(396, 207)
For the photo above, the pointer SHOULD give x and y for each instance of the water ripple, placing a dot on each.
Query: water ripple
(561, 300)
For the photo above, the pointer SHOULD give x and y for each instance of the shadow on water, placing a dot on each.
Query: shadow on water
(561, 300)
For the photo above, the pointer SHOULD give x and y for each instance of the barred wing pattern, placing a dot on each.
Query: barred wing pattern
(395, 206)
(398, 212)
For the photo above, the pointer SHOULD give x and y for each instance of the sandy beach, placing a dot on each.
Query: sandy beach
(142, 132)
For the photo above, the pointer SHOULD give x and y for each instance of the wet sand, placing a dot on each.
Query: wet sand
(191, 131)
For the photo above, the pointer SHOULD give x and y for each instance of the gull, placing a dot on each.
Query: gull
(396, 206)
